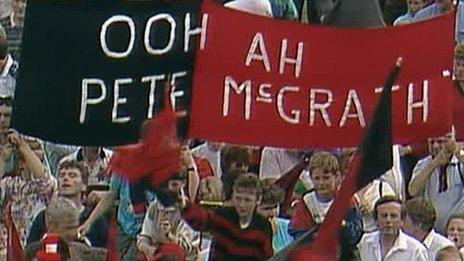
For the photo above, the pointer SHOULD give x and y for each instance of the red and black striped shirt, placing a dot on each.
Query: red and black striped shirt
(230, 242)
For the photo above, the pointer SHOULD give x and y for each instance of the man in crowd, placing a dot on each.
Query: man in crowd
(27, 186)
(95, 159)
(163, 225)
(62, 218)
(438, 178)
(418, 222)
(276, 162)
(212, 152)
(72, 180)
(129, 221)
(389, 242)
(239, 233)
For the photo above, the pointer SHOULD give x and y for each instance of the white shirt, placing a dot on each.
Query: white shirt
(434, 242)
(404, 248)
(317, 208)
(277, 161)
(394, 176)
(214, 157)
(7, 81)
(258, 7)
(445, 202)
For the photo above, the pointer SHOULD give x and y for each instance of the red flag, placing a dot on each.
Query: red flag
(112, 254)
(14, 248)
(370, 162)
(156, 157)
(287, 183)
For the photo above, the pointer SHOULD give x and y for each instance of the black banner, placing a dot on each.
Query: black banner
(92, 71)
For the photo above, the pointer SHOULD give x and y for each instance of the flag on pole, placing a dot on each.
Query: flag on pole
(373, 158)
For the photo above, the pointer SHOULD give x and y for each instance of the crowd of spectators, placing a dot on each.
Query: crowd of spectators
(227, 201)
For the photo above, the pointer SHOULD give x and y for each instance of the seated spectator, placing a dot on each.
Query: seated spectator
(367, 197)
(437, 177)
(258, 7)
(28, 188)
(238, 232)
(95, 159)
(455, 231)
(271, 199)
(418, 222)
(8, 66)
(389, 242)
(72, 177)
(439, 7)
(413, 7)
(62, 218)
(163, 225)
(449, 253)
(310, 212)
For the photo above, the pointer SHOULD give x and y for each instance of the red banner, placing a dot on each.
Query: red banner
(278, 83)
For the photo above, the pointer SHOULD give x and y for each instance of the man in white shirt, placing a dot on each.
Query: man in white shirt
(258, 7)
(212, 152)
(275, 162)
(389, 242)
(439, 178)
(418, 222)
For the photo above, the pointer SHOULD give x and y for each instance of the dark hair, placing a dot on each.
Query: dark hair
(6, 100)
(234, 154)
(272, 194)
(71, 163)
(385, 200)
(421, 212)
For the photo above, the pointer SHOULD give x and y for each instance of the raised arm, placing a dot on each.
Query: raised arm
(422, 175)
